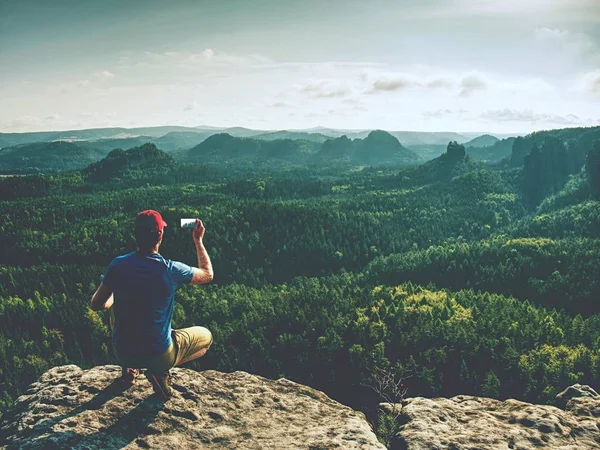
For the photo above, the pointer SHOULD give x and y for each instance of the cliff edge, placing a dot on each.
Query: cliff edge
(73, 408)
(467, 423)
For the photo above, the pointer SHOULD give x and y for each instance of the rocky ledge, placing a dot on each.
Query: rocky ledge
(469, 423)
(86, 409)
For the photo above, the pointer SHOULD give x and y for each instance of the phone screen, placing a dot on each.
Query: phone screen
(188, 223)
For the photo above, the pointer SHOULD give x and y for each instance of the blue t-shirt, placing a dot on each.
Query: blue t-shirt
(144, 293)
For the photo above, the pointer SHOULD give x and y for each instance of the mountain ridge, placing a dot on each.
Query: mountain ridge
(8, 139)
(48, 157)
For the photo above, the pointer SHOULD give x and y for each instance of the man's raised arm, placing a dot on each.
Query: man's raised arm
(204, 272)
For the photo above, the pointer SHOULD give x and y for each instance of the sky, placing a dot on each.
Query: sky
(504, 66)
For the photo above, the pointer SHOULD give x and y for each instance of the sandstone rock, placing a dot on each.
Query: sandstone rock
(84, 409)
(469, 423)
(573, 395)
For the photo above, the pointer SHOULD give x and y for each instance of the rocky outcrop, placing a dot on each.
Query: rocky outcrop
(465, 423)
(86, 409)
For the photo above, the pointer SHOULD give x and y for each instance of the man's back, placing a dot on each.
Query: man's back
(144, 290)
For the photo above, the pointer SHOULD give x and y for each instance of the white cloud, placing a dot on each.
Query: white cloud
(325, 89)
(243, 89)
(52, 117)
(551, 34)
(445, 113)
(208, 53)
(104, 75)
(95, 78)
(438, 113)
(22, 124)
(471, 84)
(443, 83)
(393, 84)
(464, 85)
(387, 81)
(25, 120)
(191, 59)
(594, 85)
(577, 44)
(588, 83)
(529, 116)
(515, 7)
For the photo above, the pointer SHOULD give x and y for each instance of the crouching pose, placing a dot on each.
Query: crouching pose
(140, 288)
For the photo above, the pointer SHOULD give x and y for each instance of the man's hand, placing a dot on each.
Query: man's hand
(204, 272)
(198, 231)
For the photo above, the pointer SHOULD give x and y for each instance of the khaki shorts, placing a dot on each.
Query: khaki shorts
(186, 342)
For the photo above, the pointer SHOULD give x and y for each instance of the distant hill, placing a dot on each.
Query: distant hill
(407, 138)
(177, 140)
(47, 157)
(242, 132)
(428, 138)
(318, 134)
(284, 134)
(223, 147)
(296, 150)
(11, 139)
(119, 162)
(425, 145)
(378, 147)
(486, 140)
(106, 145)
(329, 132)
(501, 149)
(579, 140)
(453, 162)
(337, 150)
(427, 152)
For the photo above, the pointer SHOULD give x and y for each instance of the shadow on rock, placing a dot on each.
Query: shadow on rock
(70, 428)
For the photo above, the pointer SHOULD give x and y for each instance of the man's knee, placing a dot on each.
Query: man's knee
(210, 339)
(192, 343)
(201, 336)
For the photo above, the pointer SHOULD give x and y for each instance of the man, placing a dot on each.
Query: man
(140, 286)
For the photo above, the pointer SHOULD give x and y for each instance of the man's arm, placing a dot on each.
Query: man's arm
(102, 298)
(204, 272)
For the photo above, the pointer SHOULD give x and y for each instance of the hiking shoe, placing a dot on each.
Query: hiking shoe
(128, 376)
(160, 384)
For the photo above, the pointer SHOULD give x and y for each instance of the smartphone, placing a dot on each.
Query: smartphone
(188, 223)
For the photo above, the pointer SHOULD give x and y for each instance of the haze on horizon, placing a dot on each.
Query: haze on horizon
(424, 65)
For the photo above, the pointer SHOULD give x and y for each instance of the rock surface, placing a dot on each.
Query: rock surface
(85, 409)
(469, 423)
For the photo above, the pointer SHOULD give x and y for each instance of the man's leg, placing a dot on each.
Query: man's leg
(158, 372)
(198, 354)
(128, 375)
(188, 344)
(191, 343)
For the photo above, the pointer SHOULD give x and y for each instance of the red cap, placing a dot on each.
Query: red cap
(150, 219)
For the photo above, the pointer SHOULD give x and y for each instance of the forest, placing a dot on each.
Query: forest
(465, 274)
